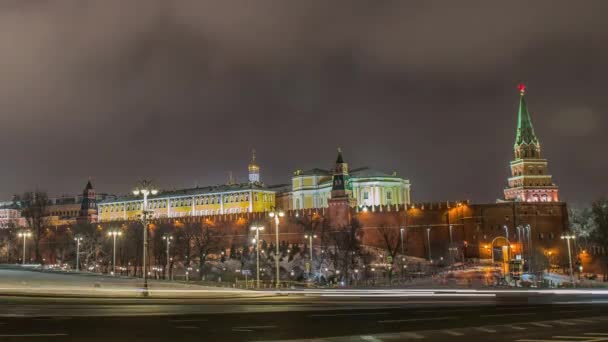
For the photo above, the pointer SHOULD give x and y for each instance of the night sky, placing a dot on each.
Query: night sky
(181, 91)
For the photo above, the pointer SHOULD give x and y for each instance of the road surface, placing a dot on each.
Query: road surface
(326, 315)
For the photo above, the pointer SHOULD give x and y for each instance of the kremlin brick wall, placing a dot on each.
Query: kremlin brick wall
(474, 226)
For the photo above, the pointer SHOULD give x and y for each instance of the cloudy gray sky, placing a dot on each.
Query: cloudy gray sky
(180, 91)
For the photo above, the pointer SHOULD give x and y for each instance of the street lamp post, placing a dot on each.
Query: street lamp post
(310, 237)
(24, 235)
(276, 216)
(168, 238)
(78, 239)
(568, 238)
(257, 252)
(401, 232)
(145, 189)
(428, 240)
(114, 234)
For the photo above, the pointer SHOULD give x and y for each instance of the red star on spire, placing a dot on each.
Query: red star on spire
(522, 88)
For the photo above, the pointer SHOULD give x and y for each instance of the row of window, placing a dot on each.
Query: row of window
(186, 202)
(73, 213)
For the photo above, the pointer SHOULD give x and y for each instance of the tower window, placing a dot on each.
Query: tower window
(365, 195)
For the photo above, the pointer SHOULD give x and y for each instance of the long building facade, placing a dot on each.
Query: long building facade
(308, 189)
(231, 198)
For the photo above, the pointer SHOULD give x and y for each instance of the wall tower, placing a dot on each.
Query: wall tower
(529, 181)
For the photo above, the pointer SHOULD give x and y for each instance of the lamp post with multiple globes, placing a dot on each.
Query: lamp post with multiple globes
(144, 189)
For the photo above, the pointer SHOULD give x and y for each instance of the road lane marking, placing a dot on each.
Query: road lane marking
(411, 335)
(487, 330)
(510, 314)
(515, 327)
(598, 334)
(33, 335)
(256, 327)
(582, 320)
(564, 323)
(242, 330)
(527, 340)
(453, 333)
(188, 320)
(416, 319)
(542, 325)
(370, 338)
(571, 337)
(349, 314)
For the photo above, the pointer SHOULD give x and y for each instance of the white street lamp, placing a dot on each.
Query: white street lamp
(145, 189)
(25, 234)
(310, 237)
(113, 234)
(568, 238)
(401, 232)
(257, 251)
(276, 216)
(78, 239)
(168, 238)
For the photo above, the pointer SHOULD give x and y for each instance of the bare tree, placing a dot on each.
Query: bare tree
(346, 248)
(207, 240)
(391, 240)
(91, 246)
(34, 209)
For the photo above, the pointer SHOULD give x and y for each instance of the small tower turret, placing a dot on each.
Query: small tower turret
(88, 205)
(254, 169)
(341, 194)
(529, 181)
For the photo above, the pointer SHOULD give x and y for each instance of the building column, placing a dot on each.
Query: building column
(221, 203)
(250, 201)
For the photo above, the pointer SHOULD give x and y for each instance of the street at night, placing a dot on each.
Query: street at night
(353, 318)
(270, 315)
(306, 170)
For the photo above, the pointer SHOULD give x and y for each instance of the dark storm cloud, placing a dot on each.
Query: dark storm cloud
(180, 91)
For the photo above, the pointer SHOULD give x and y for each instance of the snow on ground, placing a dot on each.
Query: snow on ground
(35, 282)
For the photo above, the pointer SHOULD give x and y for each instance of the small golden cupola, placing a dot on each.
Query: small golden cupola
(254, 169)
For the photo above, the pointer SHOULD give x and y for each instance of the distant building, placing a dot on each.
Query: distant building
(10, 216)
(63, 210)
(529, 181)
(229, 198)
(367, 186)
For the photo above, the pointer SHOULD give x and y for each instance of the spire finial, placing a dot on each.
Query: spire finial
(253, 155)
(522, 88)
(339, 150)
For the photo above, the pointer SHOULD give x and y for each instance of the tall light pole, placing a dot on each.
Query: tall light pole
(568, 238)
(78, 238)
(256, 240)
(310, 237)
(25, 234)
(428, 240)
(401, 232)
(113, 234)
(145, 189)
(276, 216)
(168, 238)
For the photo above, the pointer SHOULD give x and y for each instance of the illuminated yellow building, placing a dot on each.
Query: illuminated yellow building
(252, 196)
(312, 188)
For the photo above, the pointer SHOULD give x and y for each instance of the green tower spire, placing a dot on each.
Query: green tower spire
(525, 130)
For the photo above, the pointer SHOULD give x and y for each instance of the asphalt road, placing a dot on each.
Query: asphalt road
(299, 318)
